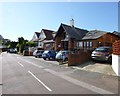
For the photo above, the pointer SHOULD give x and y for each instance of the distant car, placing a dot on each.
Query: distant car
(62, 55)
(48, 54)
(12, 50)
(39, 53)
(102, 54)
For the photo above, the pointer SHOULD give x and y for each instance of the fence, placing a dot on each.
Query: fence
(78, 58)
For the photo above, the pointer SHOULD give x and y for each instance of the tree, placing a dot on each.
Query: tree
(12, 44)
(21, 44)
(30, 44)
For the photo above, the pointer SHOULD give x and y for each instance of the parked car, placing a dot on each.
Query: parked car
(102, 54)
(39, 53)
(12, 50)
(62, 55)
(48, 54)
(34, 52)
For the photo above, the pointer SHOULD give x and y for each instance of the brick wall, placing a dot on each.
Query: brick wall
(78, 58)
(116, 47)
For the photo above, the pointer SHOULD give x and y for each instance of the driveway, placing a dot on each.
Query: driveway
(99, 67)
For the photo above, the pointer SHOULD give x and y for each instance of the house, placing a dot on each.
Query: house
(67, 36)
(46, 39)
(116, 33)
(35, 38)
(97, 38)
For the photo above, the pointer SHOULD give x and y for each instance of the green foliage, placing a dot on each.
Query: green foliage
(22, 43)
(5, 42)
(30, 44)
(12, 44)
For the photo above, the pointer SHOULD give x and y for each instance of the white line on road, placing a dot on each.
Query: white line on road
(32, 63)
(72, 80)
(80, 83)
(40, 81)
(21, 64)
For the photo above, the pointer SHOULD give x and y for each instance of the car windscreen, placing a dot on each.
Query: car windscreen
(102, 50)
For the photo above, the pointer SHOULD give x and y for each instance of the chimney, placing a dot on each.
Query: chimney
(72, 22)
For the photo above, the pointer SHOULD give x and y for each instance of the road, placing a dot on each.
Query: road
(29, 75)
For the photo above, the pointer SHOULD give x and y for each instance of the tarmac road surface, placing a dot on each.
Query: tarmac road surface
(29, 75)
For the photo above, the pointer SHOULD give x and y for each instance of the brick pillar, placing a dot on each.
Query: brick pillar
(116, 47)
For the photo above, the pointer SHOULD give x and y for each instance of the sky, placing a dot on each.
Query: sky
(22, 19)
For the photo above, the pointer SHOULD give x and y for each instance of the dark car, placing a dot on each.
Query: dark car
(49, 54)
(62, 55)
(39, 53)
(12, 50)
(102, 54)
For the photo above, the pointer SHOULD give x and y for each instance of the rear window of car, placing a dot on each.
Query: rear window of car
(40, 51)
(103, 49)
(46, 51)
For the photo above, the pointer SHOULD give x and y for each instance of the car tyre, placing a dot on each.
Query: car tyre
(44, 58)
(66, 59)
(110, 59)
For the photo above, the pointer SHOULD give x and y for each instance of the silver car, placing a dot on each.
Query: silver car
(62, 55)
(102, 54)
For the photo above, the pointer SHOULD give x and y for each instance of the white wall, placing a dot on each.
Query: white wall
(116, 64)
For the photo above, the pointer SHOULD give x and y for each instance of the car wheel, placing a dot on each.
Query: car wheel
(110, 59)
(44, 58)
(57, 60)
(66, 59)
(48, 58)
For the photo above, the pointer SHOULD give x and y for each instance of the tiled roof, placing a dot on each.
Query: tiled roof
(37, 34)
(48, 34)
(73, 32)
(94, 34)
(116, 33)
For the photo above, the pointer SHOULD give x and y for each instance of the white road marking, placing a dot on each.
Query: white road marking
(32, 63)
(40, 81)
(72, 80)
(80, 83)
(20, 64)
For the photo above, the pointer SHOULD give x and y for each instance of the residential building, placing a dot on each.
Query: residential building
(35, 38)
(97, 38)
(46, 39)
(67, 36)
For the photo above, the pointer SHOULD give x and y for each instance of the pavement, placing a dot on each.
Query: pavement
(98, 67)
